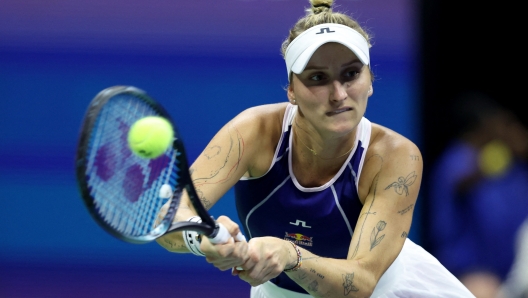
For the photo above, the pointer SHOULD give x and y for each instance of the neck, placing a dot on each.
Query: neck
(320, 152)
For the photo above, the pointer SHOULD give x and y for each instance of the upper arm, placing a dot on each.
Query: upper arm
(390, 183)
(236, 150)
(225, 159)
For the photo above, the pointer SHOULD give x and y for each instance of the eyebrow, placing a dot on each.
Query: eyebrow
(325, 67)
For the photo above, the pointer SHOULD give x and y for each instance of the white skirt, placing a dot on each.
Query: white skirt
(414, 273)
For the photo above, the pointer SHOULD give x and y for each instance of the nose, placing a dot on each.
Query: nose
(339, 91)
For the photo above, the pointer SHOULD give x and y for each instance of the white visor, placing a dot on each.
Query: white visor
(301, 49)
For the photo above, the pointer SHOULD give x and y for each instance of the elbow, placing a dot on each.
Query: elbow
(366, 284)
(370, 285)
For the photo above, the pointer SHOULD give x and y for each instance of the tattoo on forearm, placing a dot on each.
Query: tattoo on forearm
(205, 202)
(404, 234)
(313, 286)
(302, 275)
(317, 273)
(374, 239)
(402, 185)
(172, 244)
(348, 283)
(402, 212)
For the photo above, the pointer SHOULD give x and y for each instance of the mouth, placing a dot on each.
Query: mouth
(339, 111)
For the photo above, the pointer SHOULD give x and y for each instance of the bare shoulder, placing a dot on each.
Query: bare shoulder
(262, 114)
(260, 128)
(260, 123)
(390, 154)
(386, 142)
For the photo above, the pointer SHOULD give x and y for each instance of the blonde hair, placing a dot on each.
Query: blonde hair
(321, 12)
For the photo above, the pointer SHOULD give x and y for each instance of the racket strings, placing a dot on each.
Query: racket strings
(125, 187)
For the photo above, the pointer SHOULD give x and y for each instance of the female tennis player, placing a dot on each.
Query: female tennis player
(325, 196)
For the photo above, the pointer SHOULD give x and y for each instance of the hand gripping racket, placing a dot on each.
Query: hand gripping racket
(123, 192)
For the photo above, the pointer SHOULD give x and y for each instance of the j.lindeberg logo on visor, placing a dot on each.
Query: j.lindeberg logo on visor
(327, 29)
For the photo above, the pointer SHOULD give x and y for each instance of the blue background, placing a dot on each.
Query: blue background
(204, 61)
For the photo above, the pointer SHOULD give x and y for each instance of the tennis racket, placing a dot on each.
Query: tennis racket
(123, 192)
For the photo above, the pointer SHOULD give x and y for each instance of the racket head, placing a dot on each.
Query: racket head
(120, 189)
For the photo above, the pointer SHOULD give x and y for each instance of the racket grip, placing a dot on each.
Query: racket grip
(223, 236)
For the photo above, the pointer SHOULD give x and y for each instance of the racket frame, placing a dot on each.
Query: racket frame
(208, 227)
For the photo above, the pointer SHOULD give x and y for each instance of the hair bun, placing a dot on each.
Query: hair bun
(322, 4)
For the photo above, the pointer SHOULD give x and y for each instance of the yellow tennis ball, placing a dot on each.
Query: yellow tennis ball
(150, 137)
(495, 157)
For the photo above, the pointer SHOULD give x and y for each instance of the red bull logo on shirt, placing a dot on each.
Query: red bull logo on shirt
(299, 239)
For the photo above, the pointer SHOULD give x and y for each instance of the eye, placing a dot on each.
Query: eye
(316, 77)
(351, 73)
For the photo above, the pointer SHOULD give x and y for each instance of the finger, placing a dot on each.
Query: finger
(231, 226)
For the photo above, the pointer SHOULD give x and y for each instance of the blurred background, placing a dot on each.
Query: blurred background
(205, 61)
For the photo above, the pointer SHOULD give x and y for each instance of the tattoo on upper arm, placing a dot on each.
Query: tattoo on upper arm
(402, 185)
(407, 209)
(212, 151)
(236, 147)
(374, 239)
(369, 212)
(375, 186)
(348, 283)
(404, 234)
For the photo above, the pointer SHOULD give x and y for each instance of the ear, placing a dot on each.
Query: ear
(291, 94)
(370, 91)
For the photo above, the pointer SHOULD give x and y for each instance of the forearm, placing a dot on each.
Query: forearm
(324, 277)
(174, 242)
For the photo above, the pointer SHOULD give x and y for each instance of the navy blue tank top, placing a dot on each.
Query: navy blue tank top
(320, 219)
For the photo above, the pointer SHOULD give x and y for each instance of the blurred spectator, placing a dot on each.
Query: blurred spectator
(478, 194)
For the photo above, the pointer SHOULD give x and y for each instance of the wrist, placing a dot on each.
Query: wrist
(297, 262)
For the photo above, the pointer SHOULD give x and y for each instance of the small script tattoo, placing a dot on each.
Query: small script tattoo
(402, 185)
(414, 157)
(404, 234)
(172, 244)
(402, 212)
(374, 238)
(316, 273)
(348, 283)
